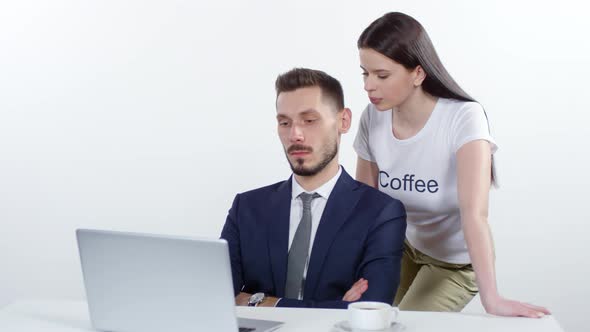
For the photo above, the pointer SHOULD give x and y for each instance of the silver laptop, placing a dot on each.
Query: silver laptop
(150, 283)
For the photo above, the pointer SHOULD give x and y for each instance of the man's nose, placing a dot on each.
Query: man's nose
(296, 134)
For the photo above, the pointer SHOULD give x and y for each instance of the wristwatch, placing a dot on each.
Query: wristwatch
(256, 299)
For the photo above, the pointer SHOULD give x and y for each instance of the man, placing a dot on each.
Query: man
(319, 239)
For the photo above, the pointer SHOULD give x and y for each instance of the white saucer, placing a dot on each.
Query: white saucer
(344, 326)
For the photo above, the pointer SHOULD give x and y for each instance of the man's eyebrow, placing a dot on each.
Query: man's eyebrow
(302, 113)
(309, 111)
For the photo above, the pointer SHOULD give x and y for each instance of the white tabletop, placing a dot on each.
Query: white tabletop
(49, 316)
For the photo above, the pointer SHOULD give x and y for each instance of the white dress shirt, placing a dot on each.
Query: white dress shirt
(317, 208)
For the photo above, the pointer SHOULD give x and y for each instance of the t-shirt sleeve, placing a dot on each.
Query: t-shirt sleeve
(362, 141)
(471, 123)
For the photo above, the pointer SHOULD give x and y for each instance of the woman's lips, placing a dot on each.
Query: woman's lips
(375, 100)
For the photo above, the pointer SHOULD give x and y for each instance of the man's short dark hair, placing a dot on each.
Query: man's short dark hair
(297, 78)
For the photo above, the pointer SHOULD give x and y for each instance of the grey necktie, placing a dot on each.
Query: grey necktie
(299, 250)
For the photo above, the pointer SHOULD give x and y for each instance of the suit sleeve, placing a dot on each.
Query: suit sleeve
(381, 263)
(231, 233)
(293, 303)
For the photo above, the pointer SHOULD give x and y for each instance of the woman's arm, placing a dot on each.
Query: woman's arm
(473, 181)
(367, 172)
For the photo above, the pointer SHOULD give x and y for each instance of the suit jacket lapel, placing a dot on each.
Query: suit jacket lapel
(341, 203)
(278, 234)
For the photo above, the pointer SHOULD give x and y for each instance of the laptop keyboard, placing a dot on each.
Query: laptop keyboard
(246, 329)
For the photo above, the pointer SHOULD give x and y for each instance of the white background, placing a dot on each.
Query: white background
(151, 115)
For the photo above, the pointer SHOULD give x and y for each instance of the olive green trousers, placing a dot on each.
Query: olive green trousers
(428, 284)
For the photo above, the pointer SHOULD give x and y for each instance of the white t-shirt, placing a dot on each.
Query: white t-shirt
(421, 171)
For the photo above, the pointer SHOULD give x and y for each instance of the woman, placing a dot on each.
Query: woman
(426, 142)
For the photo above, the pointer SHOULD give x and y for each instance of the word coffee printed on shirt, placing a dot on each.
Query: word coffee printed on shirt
(408, 182)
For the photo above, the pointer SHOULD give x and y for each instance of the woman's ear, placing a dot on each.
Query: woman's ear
(419, 75)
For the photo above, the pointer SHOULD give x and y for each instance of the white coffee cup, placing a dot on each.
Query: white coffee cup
(371, 315)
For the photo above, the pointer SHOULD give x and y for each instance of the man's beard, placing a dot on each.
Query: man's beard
(298, 168)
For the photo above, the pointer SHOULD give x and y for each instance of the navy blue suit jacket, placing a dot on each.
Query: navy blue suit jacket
(360, 235)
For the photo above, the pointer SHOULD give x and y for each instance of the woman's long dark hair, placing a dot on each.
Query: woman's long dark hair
(403, 39)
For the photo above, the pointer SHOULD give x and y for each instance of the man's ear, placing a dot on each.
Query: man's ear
(344, 120)
(420, 75)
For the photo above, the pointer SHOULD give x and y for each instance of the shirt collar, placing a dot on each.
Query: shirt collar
(324, 190)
